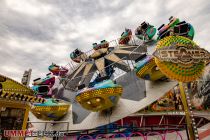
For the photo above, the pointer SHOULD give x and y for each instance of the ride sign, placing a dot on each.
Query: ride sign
(180, 58)
(177, 53)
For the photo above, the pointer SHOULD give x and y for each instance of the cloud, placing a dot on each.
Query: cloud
(18, 19)
(35, 33)
(33, 7)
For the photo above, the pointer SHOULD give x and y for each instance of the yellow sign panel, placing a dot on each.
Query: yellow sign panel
(179, 58)
(14, 86)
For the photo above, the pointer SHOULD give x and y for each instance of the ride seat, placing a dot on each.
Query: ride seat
(37, 79)
(42, 89)
(77, 52)
(181, 23)
(48, 74)
(144, 25)
(181, 29)
(164, 34)
(161, 26)
(137, 31)
(141, 57)
(122, 33)
(171, 17)
(81, 86)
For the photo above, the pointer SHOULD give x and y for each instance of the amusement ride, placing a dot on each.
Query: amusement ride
(122, 77)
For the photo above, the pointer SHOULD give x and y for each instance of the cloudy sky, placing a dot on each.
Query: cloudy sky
(35, 33)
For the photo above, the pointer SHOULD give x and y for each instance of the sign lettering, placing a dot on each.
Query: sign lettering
(182, 54)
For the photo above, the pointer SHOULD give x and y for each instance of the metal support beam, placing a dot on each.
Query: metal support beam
(181, 120)
(142, 117)
(121, 122)
(199, 122)
(187, 113)
(161, 119)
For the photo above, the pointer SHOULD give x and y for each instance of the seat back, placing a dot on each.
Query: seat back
(161, 27)
(181, 29)
(144, 25)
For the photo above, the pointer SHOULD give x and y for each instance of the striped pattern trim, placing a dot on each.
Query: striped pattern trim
(146, 67)
(50, 108)
(27, 89)
(20, 97)
(103, 92)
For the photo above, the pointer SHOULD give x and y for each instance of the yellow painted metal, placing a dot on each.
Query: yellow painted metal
(99, 99)
(179, 71)
(20, 97)
(12, 104)
(25, 118)
(150, 69)
(186, 110)
(43, 112)
(14, 86)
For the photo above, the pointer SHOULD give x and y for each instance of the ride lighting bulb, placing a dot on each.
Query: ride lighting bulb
(98, 100)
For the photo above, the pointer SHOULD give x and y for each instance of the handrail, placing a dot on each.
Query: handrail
(124, 58)
(116, 45)
(98, 71)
